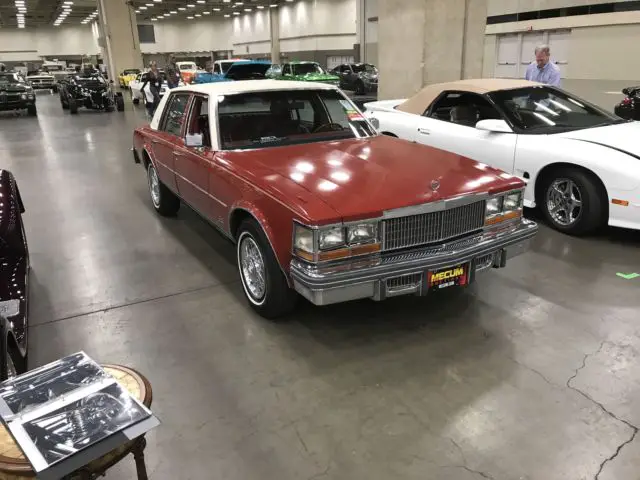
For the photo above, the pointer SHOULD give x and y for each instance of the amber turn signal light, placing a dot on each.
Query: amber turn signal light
(622, 203)
(503, 217)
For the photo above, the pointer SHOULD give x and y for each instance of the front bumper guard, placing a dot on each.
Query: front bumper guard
(407, 270)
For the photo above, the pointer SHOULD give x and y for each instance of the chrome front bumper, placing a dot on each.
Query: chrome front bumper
(403, 273)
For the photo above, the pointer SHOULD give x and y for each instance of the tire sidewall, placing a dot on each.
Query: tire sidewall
(250, 234)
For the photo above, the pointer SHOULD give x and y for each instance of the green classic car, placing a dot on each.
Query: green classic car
(303, 71)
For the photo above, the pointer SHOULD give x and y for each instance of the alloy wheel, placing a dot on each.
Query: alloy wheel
(252, 268)
(564, 201)
(154, 186)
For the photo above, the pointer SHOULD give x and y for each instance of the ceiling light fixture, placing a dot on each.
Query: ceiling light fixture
(190, 18)
(206, 13)
(226, 15)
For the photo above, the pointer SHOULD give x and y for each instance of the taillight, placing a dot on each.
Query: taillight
(627, 101)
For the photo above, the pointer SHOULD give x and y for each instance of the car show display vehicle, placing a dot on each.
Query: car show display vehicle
(135, 87)
(240, 70)
(127, 76)
(581, 163)
(89, 89)
(305, 72)
(55, 69)
(14, 279)
(16, 94)
(187, 71)
(318, 203)
(361, 78)
(629, 106)
(42, 80)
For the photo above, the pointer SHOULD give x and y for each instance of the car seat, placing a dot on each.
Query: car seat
(464, 115)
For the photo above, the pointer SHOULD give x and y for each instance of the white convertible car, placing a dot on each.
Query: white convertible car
(582, 164)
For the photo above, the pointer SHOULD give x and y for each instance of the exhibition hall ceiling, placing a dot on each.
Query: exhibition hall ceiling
(33, 13)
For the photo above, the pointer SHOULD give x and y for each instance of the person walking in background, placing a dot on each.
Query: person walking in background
(542, 70)
(173, 73)
(151, 89)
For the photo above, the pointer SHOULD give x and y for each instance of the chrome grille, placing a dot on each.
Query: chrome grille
(397, 283)
(433, 227)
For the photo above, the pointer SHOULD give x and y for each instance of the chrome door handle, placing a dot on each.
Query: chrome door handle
(424, 131)
(155, 141)
(178, 154)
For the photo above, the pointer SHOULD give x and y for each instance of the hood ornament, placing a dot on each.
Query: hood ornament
(435, 185)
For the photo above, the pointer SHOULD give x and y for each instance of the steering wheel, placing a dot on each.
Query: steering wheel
(328, 127)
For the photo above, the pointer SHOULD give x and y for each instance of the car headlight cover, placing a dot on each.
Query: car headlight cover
(362, 233)
(331, 238)
(303, 239)
(494, 206)
(512, 201)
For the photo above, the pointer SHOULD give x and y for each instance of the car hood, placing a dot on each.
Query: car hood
(362, 178)
(12, 88)
(317, 77)
(622, 137)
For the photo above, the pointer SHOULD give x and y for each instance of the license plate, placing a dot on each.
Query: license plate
(448, 277)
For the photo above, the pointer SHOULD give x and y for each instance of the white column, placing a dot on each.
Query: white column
(274, 29)
(120, 36)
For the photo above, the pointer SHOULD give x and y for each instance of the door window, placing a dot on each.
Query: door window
(286, 70)
(199, 119)
(216, 68)
(174, 114)
(462, 108)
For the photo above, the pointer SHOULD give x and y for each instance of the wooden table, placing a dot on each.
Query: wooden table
(14, 466)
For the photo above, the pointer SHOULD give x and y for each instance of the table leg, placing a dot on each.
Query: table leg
(138, 456)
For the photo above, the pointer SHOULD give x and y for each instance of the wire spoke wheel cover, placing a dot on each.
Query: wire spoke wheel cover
(154, 186)
(564, 201)
(252, 268)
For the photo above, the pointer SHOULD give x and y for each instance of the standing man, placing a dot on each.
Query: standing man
(542, 70)
(173, 74)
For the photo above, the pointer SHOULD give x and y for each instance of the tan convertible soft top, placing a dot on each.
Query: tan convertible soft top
(419, 103)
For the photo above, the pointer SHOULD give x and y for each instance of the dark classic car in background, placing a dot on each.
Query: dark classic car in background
(629, 107)
(89, 89)
(14, 272)
(362, 78)
(42, 80)
(281, 169)
(16, 93)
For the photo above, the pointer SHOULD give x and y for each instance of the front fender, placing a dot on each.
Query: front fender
(278, 230)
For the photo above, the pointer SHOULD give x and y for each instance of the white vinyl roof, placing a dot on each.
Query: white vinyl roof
(245, 86)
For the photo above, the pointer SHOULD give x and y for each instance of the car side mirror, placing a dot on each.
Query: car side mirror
(193, 140)
(375, 122)
(494, 126)
(625, 91)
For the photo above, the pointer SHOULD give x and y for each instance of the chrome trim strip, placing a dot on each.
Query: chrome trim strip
(435, 206)
(197, 187)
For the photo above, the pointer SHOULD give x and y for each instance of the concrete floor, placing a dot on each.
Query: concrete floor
(531, 374)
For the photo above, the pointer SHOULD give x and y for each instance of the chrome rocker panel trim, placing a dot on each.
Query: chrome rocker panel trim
(354, 279)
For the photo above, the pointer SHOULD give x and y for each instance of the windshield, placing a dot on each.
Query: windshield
(53, 68)
(225, 66)
(187, 66)
(305, 68)
(90, 79)
(6, 78)
(365, 68)
(276, 118)
(132, 72)
(548, 110)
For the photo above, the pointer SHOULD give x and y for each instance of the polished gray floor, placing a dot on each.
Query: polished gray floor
(531, 374)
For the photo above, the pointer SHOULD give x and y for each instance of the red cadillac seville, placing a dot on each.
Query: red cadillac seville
(318, 203)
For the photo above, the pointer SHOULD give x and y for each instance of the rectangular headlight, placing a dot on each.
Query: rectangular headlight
(331, 238)
(512, 201)
(303, 239)
(362, 233)
(494, 206)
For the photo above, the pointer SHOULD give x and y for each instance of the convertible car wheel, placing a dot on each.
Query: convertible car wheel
(572, 202)
(263, 282)
(32, 110)
(163, 199)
